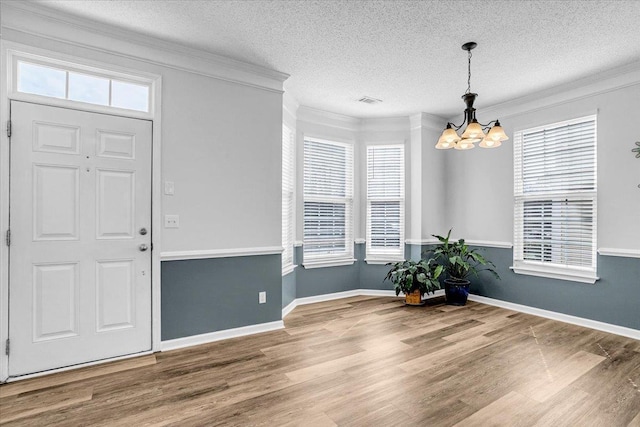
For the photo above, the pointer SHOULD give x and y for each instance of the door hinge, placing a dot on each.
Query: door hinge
(6, 348)
(9, 128)
(8, 238)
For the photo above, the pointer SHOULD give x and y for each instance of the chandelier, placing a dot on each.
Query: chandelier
(474, 132)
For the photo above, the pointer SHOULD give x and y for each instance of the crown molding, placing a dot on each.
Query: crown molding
(28, 19)
(606, 81)
(386, 124)
(329, 119)
(426, 120)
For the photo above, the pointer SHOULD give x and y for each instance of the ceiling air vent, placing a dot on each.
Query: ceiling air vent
(369, 100)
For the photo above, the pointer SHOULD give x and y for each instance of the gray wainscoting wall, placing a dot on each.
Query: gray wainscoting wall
(207, 295)
(614, 299)
(288, 288)
(327, 280)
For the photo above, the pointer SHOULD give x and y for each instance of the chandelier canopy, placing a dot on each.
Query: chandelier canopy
(474, 132)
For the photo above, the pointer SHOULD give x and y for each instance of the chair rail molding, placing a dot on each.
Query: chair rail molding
(219, 253)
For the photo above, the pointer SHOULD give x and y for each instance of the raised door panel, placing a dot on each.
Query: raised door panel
(56, 138)
(115, 296)
(55, 202)
(55, 301)
(116, 204)
(117, 145)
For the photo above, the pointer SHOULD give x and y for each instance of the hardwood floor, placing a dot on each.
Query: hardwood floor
(362, 361)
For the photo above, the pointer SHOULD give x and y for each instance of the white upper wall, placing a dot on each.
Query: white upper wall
(479, 199)
(221, 129)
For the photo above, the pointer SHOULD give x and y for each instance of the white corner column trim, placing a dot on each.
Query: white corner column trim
(221, 335)
(561, 317)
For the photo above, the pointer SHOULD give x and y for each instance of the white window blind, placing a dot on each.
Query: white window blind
(556, 197)
(385, 202)
(288, 189)
(328, 202)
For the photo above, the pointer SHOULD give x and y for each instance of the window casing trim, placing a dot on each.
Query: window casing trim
(346, 256)
(585, 274)
(378, 255)
(113, 73)
(570, 273)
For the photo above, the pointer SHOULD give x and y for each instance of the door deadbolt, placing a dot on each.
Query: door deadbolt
(143, 231)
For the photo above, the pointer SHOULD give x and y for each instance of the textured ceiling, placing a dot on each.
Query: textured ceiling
(406, 53)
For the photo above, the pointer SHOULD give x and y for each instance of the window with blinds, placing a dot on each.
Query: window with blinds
(328, 203)
(288, 190)
(556, 199)
(385, 203)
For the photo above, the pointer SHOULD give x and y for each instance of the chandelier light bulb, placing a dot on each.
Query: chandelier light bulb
(497, 133)
(473, 131)
(464, 145)
(490, 143)
(448, 139)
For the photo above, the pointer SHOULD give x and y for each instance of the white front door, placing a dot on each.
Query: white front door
(80, 253)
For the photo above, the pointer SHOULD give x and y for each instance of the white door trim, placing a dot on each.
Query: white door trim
(156, 193)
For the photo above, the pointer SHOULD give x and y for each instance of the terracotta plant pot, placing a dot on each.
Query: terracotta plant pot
(414, 298)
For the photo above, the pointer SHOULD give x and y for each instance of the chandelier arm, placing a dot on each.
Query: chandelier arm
(488, 125)
(457, 127)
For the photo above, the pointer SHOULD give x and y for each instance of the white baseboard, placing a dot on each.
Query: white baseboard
(561, 317)
(289, 308)
(220, 335)
(272, 326)
(346, 294)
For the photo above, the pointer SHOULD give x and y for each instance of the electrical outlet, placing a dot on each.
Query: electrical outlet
(262, 297)
(171, 221)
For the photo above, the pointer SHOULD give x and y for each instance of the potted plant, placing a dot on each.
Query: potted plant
(459, 262)
(414, 279)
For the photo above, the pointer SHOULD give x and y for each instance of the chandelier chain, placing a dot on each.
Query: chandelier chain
(469, 75)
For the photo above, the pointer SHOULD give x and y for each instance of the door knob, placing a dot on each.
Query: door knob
(143, 247)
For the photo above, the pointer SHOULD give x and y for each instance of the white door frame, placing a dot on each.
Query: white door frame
(7, 51)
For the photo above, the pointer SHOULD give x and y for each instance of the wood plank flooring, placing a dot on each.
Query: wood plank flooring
(362, 361)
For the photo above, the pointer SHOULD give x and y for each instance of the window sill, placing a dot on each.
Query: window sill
(288, 269)
(328, 263)
(553, 273)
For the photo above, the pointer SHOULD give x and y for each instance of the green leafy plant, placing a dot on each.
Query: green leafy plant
(460, 262)
(408, 276)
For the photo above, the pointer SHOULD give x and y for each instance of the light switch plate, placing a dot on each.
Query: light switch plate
(169, 188)
(262, 297)
(171, 221)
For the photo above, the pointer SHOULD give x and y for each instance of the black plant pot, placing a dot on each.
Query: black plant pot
(456, 291)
